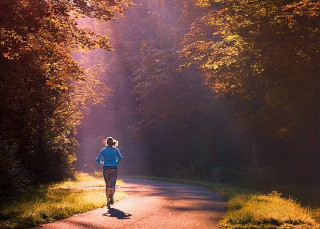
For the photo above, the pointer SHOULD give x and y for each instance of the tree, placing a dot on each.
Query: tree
(264, 59)
(43, 89)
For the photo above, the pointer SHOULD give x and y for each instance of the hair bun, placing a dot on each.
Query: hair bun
(112, 142)
(115, 142)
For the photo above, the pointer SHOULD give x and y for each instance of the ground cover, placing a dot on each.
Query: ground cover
(48, 203)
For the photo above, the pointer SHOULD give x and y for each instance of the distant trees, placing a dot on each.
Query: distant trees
(175, 125)
(253, 106)
(264, 56)
(43, 91)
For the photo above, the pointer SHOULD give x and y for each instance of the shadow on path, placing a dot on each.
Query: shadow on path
(204, 199)
(113, 212)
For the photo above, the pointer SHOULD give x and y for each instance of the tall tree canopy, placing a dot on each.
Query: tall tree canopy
(166, 119)
(264, 56)
(43, 89)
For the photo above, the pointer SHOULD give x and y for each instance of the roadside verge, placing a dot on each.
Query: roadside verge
(48, 203)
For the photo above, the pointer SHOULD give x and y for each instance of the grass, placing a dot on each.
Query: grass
(265, 211)
(250, 208)
(49, 203)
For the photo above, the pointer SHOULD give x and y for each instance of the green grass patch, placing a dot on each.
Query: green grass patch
(49, 203)
(250, 208)
(265, 211)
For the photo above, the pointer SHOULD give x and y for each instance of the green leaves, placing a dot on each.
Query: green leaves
(249, 55)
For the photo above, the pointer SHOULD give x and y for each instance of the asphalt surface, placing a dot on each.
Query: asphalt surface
(153, 204)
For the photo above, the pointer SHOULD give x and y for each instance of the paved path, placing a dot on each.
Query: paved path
(153, 204)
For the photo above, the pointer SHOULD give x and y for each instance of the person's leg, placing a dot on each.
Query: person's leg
(113, 191)
(106, 175)
(113, 179)
(108, 194)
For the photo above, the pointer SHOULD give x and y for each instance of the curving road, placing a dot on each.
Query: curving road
(153, 204)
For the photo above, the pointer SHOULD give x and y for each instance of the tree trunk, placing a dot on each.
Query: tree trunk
(39, 165)
(316, 161)
(312, 147)
(254, 159)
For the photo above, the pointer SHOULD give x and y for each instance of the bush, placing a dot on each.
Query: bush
(13, 176)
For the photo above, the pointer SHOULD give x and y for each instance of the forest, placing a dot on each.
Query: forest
(213, 89)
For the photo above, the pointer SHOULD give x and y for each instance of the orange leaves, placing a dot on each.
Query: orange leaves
(55, 86)
(44, 91)
(196, 51)
(103, 42)
(310, 8)
(294, 13)
(207, 3)
(11, 43)
(203, 3)
(53, 28)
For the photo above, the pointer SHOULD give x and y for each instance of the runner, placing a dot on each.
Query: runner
(111, 158)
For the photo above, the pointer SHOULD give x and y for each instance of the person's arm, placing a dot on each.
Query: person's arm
(119, 156)
(99, 157)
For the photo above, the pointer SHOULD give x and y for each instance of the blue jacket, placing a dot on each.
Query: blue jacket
(111, 156)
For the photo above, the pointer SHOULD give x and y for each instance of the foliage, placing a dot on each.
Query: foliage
(250, 113)
(11, 167)
(44, 91)
(170, 113)
(263, 57)
(181, 108)
(152, 101)
(250, 56)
